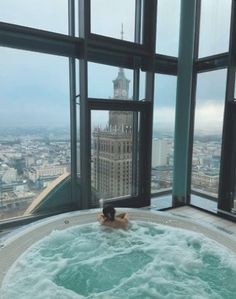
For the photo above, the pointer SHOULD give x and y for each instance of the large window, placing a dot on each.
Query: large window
(34, 127)
(163, 132)
(41, 14)
(167, 34)
(209, 110)
(214, 27)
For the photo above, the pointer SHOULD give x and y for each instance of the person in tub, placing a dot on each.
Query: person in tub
(110, 219)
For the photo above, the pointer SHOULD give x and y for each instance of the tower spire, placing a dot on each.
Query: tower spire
(122, 31)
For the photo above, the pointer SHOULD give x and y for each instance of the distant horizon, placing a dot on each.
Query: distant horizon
(32, 130)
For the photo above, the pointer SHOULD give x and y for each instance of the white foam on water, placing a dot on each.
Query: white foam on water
(146, 261)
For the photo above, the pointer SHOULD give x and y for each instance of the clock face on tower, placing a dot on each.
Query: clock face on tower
(124, 93)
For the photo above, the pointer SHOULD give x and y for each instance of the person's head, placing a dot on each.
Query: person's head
(109, 213)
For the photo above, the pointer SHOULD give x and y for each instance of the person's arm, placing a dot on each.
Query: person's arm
(126, 217)
(123, 216)
(120, 215)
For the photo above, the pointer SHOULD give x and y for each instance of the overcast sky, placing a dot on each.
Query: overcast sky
(34, 88)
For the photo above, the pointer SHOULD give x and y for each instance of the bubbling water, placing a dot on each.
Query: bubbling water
(147, 261)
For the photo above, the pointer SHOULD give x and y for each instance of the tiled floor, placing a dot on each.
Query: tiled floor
(203, 217)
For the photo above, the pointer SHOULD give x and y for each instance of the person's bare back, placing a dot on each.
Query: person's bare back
(109, 219)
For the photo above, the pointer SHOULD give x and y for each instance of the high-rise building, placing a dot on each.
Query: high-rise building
(112, 148)
(160, 152)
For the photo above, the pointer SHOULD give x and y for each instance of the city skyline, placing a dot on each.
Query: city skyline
(29, 162)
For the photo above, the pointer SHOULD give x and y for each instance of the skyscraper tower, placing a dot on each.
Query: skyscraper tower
(120, 119)
(112, 149)
(120, 92)
(121, 85)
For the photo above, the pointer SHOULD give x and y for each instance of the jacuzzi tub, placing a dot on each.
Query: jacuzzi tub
(17, 243)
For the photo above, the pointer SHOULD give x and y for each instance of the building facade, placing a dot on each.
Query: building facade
(160, 152)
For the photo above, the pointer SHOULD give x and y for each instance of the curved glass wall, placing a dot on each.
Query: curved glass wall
(34, 127)
(35, 107)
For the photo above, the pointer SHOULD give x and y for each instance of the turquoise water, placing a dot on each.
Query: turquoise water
(146, 261)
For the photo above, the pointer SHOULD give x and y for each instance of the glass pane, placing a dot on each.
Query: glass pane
(113, 159)
(108, 82)
(108, 17)
(142, 85)
(163, 132)
(214, 27)
(167, 35)
(76, 18)
(41, 14)
(34, 127)
(209, 110)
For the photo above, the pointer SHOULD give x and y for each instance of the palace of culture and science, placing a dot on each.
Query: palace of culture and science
(112, 148)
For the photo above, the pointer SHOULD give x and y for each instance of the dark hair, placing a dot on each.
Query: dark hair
(109, 213)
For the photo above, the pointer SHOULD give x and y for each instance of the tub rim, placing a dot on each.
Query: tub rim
(17, 242)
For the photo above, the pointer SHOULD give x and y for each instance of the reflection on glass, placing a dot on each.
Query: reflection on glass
(108, 82)
(167, 35)
(163, 133)
(112, 155)
(41, 14)
(34, 128)
(210, 98)
(108, 17)
(214, 27)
